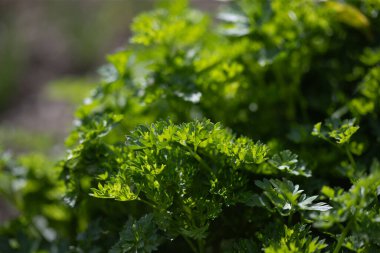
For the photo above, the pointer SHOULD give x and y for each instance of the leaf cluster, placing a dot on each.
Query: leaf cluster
(149, 168)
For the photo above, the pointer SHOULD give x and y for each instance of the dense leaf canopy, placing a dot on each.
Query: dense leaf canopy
(291, 167)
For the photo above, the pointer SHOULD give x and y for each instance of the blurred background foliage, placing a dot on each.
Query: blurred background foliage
(46, 47)
(49, 55)
(50, 52)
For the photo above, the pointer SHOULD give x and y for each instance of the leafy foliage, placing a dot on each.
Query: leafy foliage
(267, 70)
(358, 209)
(295, 239)
(287, 198)
(187, 173)
(138, 236)
(288, 162)
(341, 132)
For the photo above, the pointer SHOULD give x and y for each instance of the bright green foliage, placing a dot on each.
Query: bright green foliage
(358, 209)
(339, 131)
(369, 89)
(79, 163)
(286, 197)
(145, 151)
(294, 240)
(186, 172)
(174, 25)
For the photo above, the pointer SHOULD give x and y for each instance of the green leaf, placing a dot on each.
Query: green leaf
(286, 197)
(294, 240)
(339, 131)
(288, 162)
(138, 236)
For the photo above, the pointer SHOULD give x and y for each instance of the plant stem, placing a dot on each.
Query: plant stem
(350, 157)
(331, 142)
(148, 203)
(344, 234)
(192, 246)
(201, 246)
(201, 161)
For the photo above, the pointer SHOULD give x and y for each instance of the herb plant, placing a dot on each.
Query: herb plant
(258, 132)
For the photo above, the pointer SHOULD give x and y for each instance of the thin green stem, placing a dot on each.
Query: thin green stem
(344, 234)
(350, 157)
(331, 142)
(201, 246)
(192, 246)
(201, 161)
(148, 203)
